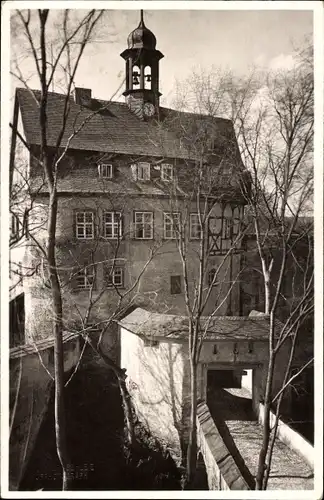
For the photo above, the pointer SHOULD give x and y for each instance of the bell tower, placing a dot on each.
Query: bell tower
(142, 71)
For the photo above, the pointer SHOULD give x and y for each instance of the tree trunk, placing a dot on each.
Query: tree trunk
(192, 445)
(60, 423)
(266, 427)
(266, 292)
(59, 409)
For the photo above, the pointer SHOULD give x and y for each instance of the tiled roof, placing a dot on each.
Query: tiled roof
(113, 128)
(169, 326)
(40, 345)
(154, 187)
(78, 185)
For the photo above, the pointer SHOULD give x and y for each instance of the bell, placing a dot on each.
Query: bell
(135, 78)
(148, 78)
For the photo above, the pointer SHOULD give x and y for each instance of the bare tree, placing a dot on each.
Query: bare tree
(66, 53)
(203, 214)
(277, 146)
(272, 116)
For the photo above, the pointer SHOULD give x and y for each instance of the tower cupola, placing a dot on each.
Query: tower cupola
(141, 37)
(142, 71)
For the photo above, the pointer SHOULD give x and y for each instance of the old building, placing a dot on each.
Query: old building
(127, 195)
(123, 187)
(154, 350)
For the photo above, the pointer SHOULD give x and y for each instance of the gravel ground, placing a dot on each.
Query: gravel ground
(289, 471)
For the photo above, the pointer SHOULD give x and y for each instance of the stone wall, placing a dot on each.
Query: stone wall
(31, 369)
(222, 471)
(290, 437)
(154, 289)
(81, 189)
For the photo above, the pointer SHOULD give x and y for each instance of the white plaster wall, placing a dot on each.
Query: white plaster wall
(155, 381)
(225, 352)
(247, 380)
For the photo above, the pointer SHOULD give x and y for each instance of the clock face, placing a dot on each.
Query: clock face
(148, 109)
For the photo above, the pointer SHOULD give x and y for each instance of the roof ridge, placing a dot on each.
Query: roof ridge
(188, 113)
(223, 317)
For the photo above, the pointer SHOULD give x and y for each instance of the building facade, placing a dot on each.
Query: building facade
(127, 194)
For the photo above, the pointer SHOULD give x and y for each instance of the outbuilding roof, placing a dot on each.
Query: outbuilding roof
(170, 326)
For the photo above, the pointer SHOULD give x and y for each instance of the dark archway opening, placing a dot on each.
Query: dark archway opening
(226, 398)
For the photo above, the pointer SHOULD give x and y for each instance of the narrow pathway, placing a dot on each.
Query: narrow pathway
(289, 471)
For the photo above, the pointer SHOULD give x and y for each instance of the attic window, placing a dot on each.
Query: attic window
(167, 172)
(105, 170)
(141, 171)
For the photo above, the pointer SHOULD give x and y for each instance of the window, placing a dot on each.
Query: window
(85, 278)
(135, 79)
(175, 282)
(143, 225)
(112, 225)
(211, 277)
(171, 225)
(149, 342)
(195, 229)
(115, 277)
(227, 228)
(166, 172)
(147, 77)
(141, 171)
(105, 170)
(15, 227)
(84, 225)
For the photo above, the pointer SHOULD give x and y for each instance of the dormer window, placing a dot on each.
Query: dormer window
(105, 170)
(166, 172)
(141, 171)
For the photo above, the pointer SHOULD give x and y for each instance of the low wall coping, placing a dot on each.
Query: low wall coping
(291, 437)
(40, 345)
(229, 471)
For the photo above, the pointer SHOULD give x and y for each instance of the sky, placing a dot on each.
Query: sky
(233, 39)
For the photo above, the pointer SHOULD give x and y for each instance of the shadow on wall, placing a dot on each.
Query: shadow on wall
(180, 409)
(31, 379)
(156, 391)
(30, 388)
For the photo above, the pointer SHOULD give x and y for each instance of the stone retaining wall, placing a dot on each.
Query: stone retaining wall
(222, 471)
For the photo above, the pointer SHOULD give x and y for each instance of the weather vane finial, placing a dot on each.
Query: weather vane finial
(142, 16)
